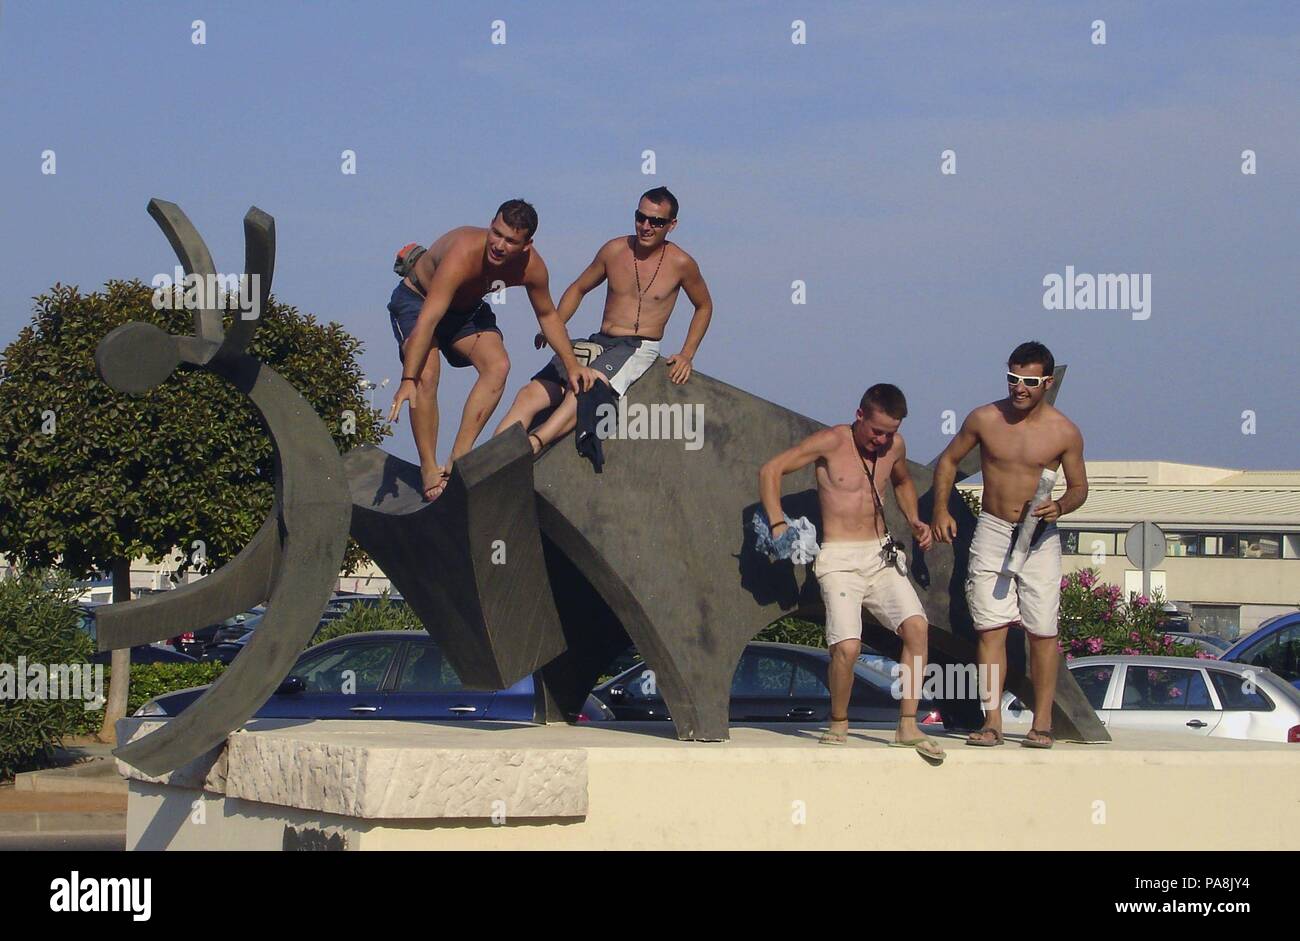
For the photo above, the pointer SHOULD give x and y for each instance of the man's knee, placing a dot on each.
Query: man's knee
(846, 651)
(914, 631)
(496, 369)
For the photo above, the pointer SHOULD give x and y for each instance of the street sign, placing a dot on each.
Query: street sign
(1145, 545)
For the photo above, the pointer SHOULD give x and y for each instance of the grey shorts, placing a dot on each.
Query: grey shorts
(623, 360)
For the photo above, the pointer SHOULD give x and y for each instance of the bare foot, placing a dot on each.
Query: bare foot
(535, 440)
(435, 483)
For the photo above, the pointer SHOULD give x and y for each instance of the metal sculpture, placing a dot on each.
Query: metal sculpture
(520, 566)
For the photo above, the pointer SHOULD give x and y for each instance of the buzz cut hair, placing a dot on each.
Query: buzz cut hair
(661, 194)
(887, 398)
(519, 215)
(1031, 352)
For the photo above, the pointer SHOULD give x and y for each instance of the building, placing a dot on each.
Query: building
(1232, 537)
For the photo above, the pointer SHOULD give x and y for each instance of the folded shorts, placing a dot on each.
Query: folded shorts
(1031, 598)
(854, 575)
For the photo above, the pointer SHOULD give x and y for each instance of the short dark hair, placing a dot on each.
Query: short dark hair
(887, 397)
(660, 194)
(518, 215)
(1030, 352)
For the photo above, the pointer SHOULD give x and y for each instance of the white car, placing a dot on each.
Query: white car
(1214, 698)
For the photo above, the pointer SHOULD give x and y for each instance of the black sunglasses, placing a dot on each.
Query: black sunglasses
(657, 221)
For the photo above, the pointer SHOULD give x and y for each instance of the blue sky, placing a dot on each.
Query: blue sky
(818, 162)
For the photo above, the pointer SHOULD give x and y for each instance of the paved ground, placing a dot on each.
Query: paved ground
(81, 798)
(88, 841)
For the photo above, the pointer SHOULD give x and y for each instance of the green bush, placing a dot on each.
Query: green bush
(1095, 619)
(386, 615)
(791, 630)
(150, 680)
(38, 622)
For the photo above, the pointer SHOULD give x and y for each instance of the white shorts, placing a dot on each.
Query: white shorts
(854, 575)
(1032, 598)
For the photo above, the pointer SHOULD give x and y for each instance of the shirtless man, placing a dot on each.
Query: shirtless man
(853, 568)
(440, 306)
(1023, 441)
(644, 271)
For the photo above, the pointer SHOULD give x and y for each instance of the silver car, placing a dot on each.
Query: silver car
(1214, 698)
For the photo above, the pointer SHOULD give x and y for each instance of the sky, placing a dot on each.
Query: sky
(818, 162)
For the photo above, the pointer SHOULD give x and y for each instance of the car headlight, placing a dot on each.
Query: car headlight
(151, 708)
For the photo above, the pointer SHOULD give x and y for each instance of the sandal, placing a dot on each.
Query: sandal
(835, 738)
(978, 738)
(540, 445)
(1044, 739)
(925, 746)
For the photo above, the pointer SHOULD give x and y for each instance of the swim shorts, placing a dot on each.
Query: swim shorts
(997, 598)
(404, 309)
(854, 575)
(623, 360)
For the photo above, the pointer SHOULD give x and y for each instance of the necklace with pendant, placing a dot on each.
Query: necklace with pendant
(639, 293)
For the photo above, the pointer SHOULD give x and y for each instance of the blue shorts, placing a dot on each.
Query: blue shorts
(404, 309)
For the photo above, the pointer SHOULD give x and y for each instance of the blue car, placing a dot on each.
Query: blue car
(382, 675)
(1275, 645)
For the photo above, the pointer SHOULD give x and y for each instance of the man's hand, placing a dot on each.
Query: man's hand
(584, 378)
(679, 368)
(944, 527)
(539, 341)
(405, 393)
(921, 533)
(1049, 511)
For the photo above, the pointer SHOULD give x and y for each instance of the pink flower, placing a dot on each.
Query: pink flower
(1129, 652)
(1115, 592)
(1142, 601)
(1132, 635)
(1106, 616)
(1203, 655)
(1169, 641)
(1100, 591)
(1065, 581)
(1069, 656)
(1094, 644)
(1086, 578)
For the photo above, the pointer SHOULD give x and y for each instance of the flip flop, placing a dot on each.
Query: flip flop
(977, 738)
(835, 738)
(925, 747)
(1028, 742)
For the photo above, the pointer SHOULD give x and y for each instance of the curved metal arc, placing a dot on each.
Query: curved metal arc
(259, 262)
(196, 259)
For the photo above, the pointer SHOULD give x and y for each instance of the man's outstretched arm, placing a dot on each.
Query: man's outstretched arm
(942, 524)
(905, 494)
(680, 365)
(537, 282)
(816, 445)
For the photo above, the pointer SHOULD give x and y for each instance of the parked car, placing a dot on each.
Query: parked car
(1211, 698)
(1211, 644)
(394, 675)
(772, 683)
(1274, 645)
(142, 653)
(236, 627)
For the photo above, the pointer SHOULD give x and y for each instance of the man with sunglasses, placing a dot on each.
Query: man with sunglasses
(644, 273)
(1015, 556)
(439, 306)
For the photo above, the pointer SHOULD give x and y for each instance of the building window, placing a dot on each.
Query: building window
(1179, 546)
(1086, 542)
(1259, 546)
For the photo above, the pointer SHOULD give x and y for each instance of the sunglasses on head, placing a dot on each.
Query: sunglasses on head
(657, 222)
(1031, 382)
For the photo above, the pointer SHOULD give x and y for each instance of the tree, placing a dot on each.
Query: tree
(91, 478)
